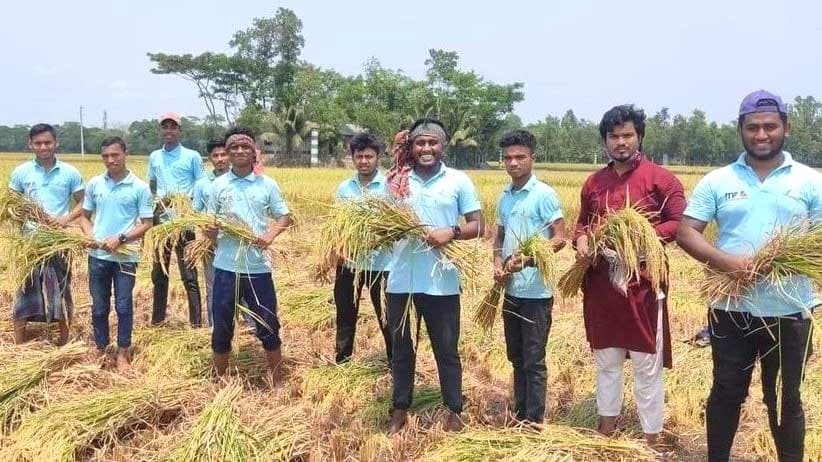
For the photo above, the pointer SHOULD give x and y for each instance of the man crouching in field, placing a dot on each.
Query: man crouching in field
(751, 200)
(121, 204)
(526, 207)
(46, 295)
(242, 271)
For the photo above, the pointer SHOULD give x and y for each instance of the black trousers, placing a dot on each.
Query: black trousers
(160, 281)
(347, 301)
(527, 322)
(442, 322)
(737, 340)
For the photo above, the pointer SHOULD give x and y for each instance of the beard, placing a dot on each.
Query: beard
(631, 157)
(770, 155)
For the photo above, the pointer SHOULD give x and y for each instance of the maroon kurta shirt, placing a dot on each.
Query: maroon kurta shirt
(611, 319)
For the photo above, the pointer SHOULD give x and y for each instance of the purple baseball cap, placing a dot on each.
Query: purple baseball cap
(762, 101)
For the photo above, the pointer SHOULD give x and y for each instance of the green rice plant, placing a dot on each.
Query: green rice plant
(29, 252)
(219, 435)
(794, 250)
(61, 431)
(353, 230)
(548, 443)
(627, 233)
(19, 378)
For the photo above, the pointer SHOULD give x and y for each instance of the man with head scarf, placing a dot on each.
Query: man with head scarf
(440, 196)
(627, 319)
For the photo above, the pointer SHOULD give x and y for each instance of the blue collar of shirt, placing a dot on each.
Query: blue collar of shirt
(251, 177)
(378, 179)
(787, 162)
(57, 164)
(128, 179)
(526, 187)
(177, 149)
(439, 173)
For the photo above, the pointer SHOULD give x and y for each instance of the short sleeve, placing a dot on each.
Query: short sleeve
(15, 183)
(815, 202)
(144, 198)
(549, 207)
(152, 169)
(197, 166)
(498, 211)
(77, 184)
(199, 201)
(88, 198)
(467, 198)
(276, 204)
(702, 205)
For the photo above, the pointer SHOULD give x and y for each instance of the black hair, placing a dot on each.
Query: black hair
(362, 141)
(238, 130)
(428, 120)
(518, 138)
(111, 140)
(214, 143)
(618, 115)
(782, 116)
(42, 128)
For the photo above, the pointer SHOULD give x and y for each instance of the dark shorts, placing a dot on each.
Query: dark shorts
(46, 295)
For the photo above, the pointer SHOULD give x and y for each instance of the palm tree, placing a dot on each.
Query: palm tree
(291, 127)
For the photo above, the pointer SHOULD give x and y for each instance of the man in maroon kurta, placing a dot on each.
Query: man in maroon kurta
(631, 320)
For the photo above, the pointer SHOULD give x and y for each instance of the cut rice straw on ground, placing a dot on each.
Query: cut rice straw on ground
(541, 250)
(353, 230)
(219, 435)
(17, 379)
(552, 442)
(795, 250)
(627, 236)
(61, 431)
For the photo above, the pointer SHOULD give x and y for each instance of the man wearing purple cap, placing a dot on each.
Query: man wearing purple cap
(173, 169)
(760, 194)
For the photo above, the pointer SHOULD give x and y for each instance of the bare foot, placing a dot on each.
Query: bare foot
(63, 337)
(398, 419)
(607, 425)
(20, 332)
(123, 363)
(453, 423)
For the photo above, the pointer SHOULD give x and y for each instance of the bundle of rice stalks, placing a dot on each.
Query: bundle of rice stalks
(16, 380)
(352, 381)
(218, 434)
(552, 442)
(175, 204)
(312, 307)
(31, 251)
(425, 397)
(627, 236)
(17, 209)
(795, 250)
(179, 352)
(355, 229)
(536, 247)
(62, 430)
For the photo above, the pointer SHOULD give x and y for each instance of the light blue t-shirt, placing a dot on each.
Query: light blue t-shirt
(523, 213)
(350, 189)
(202, 192)
(52, 190)
(175, 171)
(438, 202)
(252, 199)
(117, 209)
(748, 212)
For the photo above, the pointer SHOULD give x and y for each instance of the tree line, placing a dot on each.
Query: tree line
(263, 83)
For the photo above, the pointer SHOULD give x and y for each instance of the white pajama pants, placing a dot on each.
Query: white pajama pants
(649, 391)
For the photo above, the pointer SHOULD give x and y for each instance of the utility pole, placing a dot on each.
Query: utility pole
(82, 144)
(105, 120)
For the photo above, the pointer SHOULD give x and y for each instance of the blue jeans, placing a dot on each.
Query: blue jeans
(102, 275)
(258, 292)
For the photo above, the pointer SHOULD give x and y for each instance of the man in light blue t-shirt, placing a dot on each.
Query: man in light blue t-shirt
(121, 205)
(761, 193)
(173, 169)
(350, 276)
(526, 207)
(241, 270)
(439, 196)
(52, 183)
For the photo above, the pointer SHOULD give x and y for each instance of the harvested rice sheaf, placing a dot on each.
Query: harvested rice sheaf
(795, 250)
(629, 235)
(17, 209)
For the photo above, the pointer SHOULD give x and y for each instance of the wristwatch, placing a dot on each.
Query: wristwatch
(122, 239)
(457, 231)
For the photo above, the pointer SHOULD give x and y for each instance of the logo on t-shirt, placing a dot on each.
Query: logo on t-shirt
(736, 196)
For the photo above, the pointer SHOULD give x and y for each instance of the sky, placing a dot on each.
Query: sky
(585, 55)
